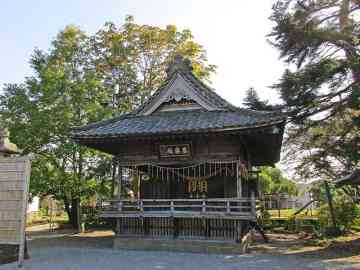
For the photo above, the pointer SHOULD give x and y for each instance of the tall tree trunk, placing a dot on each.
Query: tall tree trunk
(72, 209)
(334, 230)
(75, 218)
(67, 209)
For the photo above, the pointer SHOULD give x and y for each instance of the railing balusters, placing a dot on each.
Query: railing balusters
(119, 205)
(141, 206)
(178, 208)
(172, 207)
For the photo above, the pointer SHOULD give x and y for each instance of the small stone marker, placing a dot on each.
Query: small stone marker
(14, 186)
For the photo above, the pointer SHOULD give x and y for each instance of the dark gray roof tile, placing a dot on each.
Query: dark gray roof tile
(176, 122)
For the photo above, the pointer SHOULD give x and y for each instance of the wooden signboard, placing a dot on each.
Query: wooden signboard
(14, 186)
(175, 150)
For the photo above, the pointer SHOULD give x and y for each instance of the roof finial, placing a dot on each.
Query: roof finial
(6, 147)
(179, 64)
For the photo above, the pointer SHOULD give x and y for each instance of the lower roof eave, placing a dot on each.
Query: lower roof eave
(229, 130)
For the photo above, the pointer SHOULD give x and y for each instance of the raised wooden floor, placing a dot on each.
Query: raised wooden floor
(225, 220)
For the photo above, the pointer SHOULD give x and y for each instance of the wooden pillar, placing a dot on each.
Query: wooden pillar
(238, 223)
(119, 196)
(239, 227)
(119, 188)
(238, 181)
(176, 227)
(253, 203)
(138, 175)
(113, 176)
(279, 205)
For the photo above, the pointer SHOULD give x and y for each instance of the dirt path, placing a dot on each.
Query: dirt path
(339, 251)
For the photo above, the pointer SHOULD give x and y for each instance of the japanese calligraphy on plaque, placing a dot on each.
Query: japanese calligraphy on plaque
(175, 150)
(197, 188)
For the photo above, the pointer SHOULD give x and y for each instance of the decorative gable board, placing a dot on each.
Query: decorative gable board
(177, 91)
(183, 105)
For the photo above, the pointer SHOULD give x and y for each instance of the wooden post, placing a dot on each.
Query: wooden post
(238, 181)
(253, 204)
(141, 205)
(138, 182)
(239, 231)
(23, 177)
(27, 173)
(239, 225)
(118, 197)
(119, 190)
(228, 207)
(176, 228)
(278, 204)
(113, 176)
(203, 207)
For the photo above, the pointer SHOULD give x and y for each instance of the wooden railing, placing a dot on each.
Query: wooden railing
(228, 208)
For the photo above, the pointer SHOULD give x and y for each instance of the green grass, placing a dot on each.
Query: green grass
(288, 213)
(40, 219)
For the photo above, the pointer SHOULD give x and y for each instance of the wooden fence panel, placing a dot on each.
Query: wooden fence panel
(14, 185)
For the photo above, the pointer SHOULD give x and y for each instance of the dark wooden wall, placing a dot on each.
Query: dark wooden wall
(202, 148)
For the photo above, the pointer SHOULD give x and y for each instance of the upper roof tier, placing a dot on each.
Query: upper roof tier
(183, 104)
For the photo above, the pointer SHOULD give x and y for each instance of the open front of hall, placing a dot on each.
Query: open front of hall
(187, 156)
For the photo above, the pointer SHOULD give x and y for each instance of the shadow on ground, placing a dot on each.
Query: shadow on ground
(93, 250)
(293, 245)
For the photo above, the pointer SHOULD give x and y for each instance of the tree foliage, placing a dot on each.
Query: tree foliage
(84, 79)
(346, 212)
(320, 90)
(63, 93)
(254, 102)
(272, 181)
(132, 59)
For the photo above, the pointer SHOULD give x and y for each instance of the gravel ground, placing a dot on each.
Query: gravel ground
(91, 259)
(89, 253)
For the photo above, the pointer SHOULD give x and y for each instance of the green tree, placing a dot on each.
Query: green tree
(63, 93)
(272, 181)
(320, 90)
(253, 101)
(132, 59)
(84, 79)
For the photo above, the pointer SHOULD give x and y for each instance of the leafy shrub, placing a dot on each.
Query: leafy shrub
(346, 214)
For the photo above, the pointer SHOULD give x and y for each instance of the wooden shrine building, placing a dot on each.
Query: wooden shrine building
(190, 154)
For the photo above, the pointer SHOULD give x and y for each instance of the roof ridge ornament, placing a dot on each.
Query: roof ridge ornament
(179, 64)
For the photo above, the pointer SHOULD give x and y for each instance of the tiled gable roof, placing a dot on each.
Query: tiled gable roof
(177, 122)
(223, 115)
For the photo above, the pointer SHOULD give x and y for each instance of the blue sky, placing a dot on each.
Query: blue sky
(232, 31)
